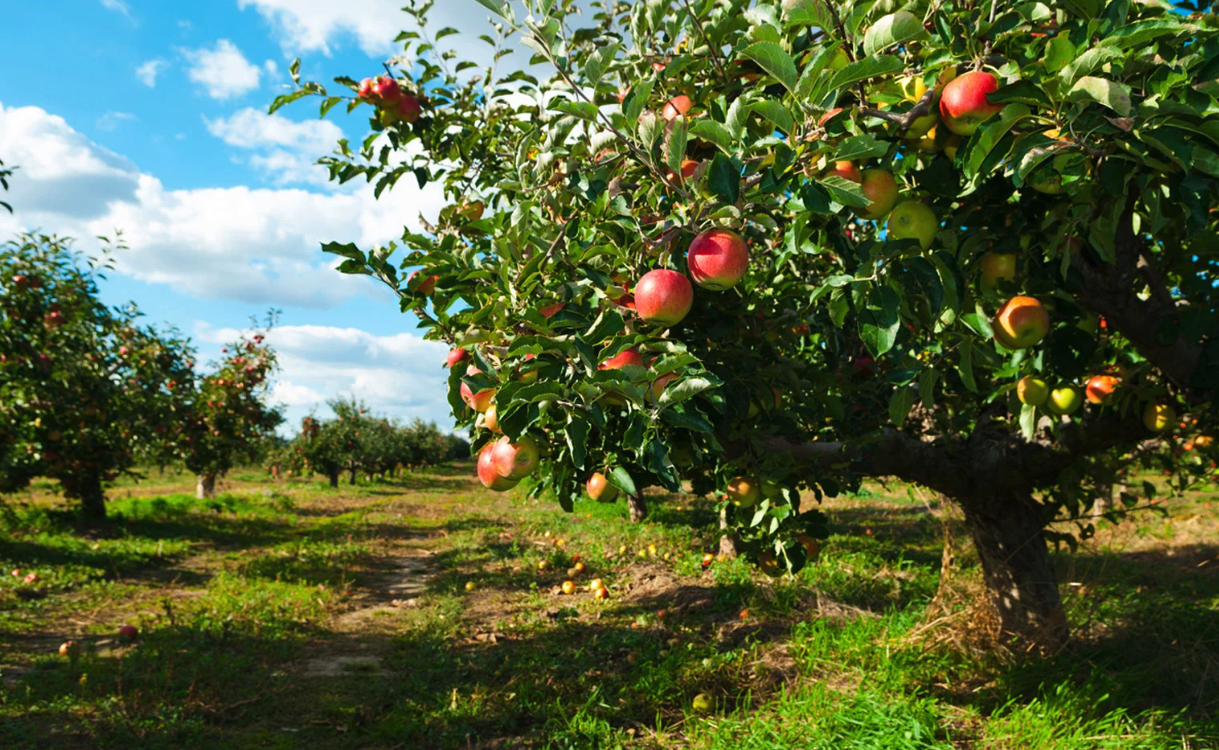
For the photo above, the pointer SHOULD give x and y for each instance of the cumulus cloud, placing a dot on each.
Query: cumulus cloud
(222, 70)
(147, 72)
(112, 120)
(286, 150)
(255, 246)
(313, 25)
(402, 374)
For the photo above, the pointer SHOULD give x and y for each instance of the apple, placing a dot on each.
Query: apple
(688, 168)
(426, 286)
(487, 474)
(473, 211)
(913, 220)
(1032, 391)
(456, 357)
(921, 126)
(663, 296)
(550, 310)
(718, 259)
(1050, 181)
(847, 171)
(491, 419)
(386, 89)
(708, 559)
(471, 586)
(951, 145)
(69, 648)
(1204, 441)
(996, 266)
(769, 563)
(128, 632)
(658, 386)
(964, 104)
(880, 189)
(578, 567)
(409, 109)
(744, 492)
(1159, 417)
(569, 587)
(365, 90)
(601, 594)
(600, 489)
(21, 282)
(676, 107)
(703, 704)
(1021, 322)
(812, 546)
(927, 143)
(516, 460)
(622, 359)
(1100, 388)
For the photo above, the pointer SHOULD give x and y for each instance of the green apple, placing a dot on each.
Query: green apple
(1032, 391)
(1064, 400)
(913, 220)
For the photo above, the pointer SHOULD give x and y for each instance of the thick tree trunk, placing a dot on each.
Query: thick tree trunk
(729, 543)
(92, 499)
(1008, 535)
(205, 487)
(334, 479)
(637, 507)
(353, 477)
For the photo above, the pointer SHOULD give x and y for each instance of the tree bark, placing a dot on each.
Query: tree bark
(729, 543)
(334, 479)
(353, 477)
(637, 507)
(205, 487)
(92, 498)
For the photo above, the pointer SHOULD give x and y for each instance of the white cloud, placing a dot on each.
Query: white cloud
(256, 246)
(112, 120)
(118, 6)
(402, 375)
(312, 25)
(272, 68)
(147, 73)
(287, 150)
(223, 71)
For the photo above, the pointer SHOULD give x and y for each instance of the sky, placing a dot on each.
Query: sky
(150, 118)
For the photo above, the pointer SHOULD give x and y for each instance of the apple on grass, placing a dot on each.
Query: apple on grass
(69, 649)
(1032, 391)
(880, 189)
(569, 587)
(128, 632)
(1159, 417)
(1021, 322)
(487, 473)
(600, 488)
(516, 460)
(717, 259)
(965, 105)
(913, 220)
(664, 297)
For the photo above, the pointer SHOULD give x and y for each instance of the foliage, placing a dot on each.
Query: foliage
(86, 392)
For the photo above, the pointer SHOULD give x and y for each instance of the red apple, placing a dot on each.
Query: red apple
(663, 296)
(688, 168)
(21, 282)
(600, 489)
(516, 460)
(718, 259)
(1021, 322)
(880, 189)
(551, 310)
(386, 88)
(1101, 387)
(487, 474)
(456, 356)
(69, 649)
(677, 106)
(426, 286)
(618, 361)
(847, 171)
(964, 105)
(365, 91)
(128, 632)
(408, 108)
(480, 401)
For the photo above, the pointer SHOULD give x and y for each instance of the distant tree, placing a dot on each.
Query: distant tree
(86, 393)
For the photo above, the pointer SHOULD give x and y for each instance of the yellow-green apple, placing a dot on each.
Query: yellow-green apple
(921, 126)
(913, 220)
(622, 359)
(456, 357)
(717, 259)
(600, 489)
(663, 296)
(677, 106)
(1100, 388)
(568, 587)
(880, 189)
(487, 473)
(491, 419)
(1021, 322)
(480, 401)
(516, 460)
(964, 104)
(996, 266)
(1159, 417)
(703, 704)
(1032, 391)
(473, 211)
(744, 492)
(927, 143)
(1089, 323)
(1064, 400)
(1048, 180)
(951, 145)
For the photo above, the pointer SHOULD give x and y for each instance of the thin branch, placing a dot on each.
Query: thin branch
(904, 121)
(715, 58)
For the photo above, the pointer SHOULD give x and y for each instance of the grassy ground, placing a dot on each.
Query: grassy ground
(295, 616)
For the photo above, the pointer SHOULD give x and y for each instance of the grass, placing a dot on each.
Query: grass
(291, 615)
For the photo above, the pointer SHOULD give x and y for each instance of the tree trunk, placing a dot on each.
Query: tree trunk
(92, 499)
(729, 543)
(334, 479)
(353, 477)
(1007, 532)
(637, 506)
(205, 487)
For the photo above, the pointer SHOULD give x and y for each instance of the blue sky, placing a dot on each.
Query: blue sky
(150, 117)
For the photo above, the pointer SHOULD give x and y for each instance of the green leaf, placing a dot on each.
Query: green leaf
(877, 308)
(724, 179)
(675, 144)
(774, 60)
(283, 99)
(577, 439)
(776, 113)
(895, 28)
(869, 67)
(714, 133)
(738, 115)
(494, 7)
(966, 367)
(1139, 33)
(1028, 421)
(1059, 53)
(861, 147)
(1112, 94)
(607, 325)
(926, 387)
(1088, 62)
(650, 129)
(621, 478)
(989, 135)
(684, 389)
(900, 405)
(637, 99)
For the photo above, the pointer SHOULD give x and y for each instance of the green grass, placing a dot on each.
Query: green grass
(292, 615)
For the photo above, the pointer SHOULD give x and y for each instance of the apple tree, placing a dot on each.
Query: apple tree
(771, 249)
(86, 392)
(230, 417)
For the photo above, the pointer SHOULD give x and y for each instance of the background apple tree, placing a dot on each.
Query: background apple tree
(916, 249)
(86, 392)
